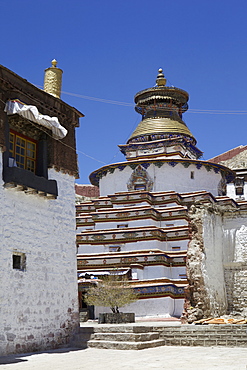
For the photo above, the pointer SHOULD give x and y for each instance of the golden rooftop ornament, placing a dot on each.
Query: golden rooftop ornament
(53, 80)
(161, 80)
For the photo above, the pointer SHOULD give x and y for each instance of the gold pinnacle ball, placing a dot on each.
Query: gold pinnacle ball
(54, 63)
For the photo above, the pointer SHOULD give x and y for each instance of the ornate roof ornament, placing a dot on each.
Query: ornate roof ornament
(53, 80)
(161, 108)
(161, 80)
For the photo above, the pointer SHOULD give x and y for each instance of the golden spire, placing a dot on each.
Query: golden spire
(53, 80)
(161, 81)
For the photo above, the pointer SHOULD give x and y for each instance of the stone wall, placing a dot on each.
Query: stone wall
(196, 294)
(39, 301)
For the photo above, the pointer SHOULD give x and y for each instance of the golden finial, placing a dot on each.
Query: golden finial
(53, 79)
(161, 81)
(54, 63)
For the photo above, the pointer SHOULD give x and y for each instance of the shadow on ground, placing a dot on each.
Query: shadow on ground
(15, 358)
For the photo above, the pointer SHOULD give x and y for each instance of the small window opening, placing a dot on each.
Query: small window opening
(114, 248)
(19, 261)
(239, 185)
(192, 175)
(122, 226)
(140, 187)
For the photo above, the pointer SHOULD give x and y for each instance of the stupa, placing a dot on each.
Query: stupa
(152, 221)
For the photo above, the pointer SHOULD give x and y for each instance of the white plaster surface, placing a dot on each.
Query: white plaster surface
(134, 246)
(164, 307)
(38, 306)
(212, 265)
(165, 178)
(235, 262)
(155, 272)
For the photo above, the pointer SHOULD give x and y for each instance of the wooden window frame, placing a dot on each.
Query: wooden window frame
(25, 156)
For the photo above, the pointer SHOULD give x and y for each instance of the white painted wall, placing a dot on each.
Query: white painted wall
(165, 178)
(235, 261)
(231, 192)
(135, 223)
(158, 271)
(134, 246)
(38, 306)
(153, 307)
(212, 265)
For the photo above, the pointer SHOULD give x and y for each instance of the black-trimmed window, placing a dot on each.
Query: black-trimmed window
(19, 261)
(26, 158)
(140, 187)
(115, 248)
(23, 150)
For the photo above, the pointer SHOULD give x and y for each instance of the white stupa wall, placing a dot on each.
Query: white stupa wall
(134, 246)
(165, 178)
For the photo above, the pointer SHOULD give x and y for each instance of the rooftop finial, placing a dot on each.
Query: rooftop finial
(53, 79)
(161, 81)
(54, 63)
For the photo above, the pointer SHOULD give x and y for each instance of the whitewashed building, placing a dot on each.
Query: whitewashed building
(164, 219)
(38, 295)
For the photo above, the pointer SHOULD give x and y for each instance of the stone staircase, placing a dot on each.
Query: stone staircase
(119, 337)
(204, 335)
(140, 337)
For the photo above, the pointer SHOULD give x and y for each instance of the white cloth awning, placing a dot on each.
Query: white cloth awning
(102, 273)
(32, 114)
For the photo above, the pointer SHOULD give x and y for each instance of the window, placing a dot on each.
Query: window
(192, 175)
(114, 248)
(122, 226)
(140, 187)
(19, 261)
(239, 185)
(26, 159)
(23, 150)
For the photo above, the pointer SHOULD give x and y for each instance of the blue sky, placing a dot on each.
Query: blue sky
(113, 49)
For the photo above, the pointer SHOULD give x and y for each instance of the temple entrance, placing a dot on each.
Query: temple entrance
(86, 312)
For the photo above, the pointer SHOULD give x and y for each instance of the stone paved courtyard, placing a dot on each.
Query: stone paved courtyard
(176, 358)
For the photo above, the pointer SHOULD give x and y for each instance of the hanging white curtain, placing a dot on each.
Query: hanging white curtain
(31, 112)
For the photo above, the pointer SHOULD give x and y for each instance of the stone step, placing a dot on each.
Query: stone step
(118, 329)
(104, 344)
(205, 342)
(204, 328)
(184, 335)
(125, 337)
(204, 336)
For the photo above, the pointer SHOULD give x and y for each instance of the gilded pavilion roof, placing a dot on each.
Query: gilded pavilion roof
(162, 125)
(161, 108)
